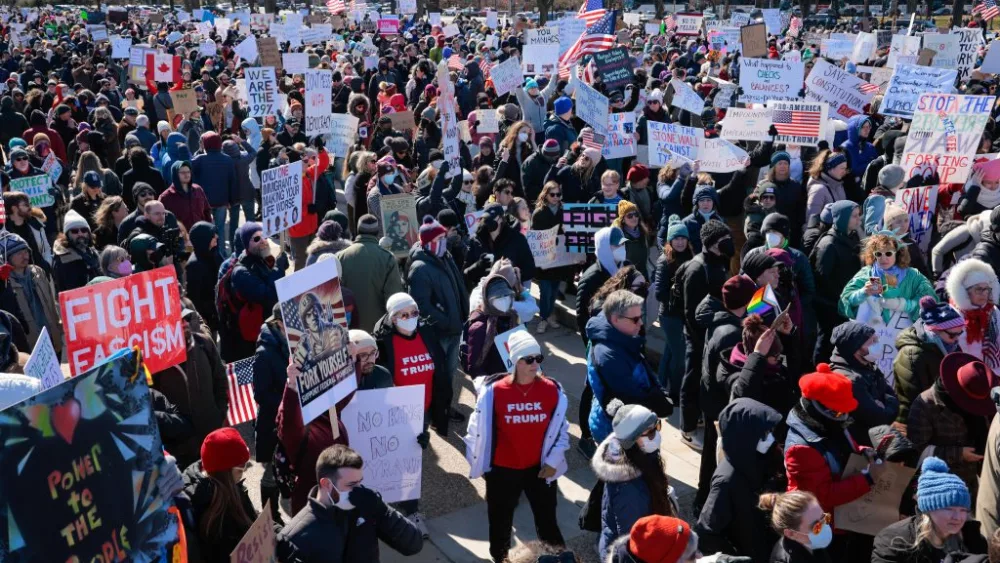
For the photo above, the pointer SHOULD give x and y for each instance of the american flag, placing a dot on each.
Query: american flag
(592, 140)
(669, 22)
(455, 63)
(597, 37)
(3, 212)
(486, 66)
(242, 407)
(797, 123)
(336, 6)
(591, 11)
(987, 9)
(868, 88)
(293, 323)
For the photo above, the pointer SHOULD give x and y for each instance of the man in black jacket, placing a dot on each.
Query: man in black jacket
(343, 521)
(702, 275)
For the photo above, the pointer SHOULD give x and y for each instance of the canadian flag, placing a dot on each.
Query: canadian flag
(162, 67)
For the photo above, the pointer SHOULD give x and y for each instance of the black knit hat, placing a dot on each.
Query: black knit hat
(777, 222)
(713, 231)
(448, 218)
(757, 263)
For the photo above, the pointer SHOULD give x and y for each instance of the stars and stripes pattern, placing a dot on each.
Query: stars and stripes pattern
(242, 407)
(485, 66)
(591, 11)
(597, 37)
(3, 213)
(293, 323)
(797, 123)
(868, 88)
(336, 6)
(592, 140)
(987, 9)
(669, 22)
(455, 63)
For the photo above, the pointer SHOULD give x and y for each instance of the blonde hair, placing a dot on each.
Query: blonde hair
(786, 508)
(926, 532)
(611, 174)
(877, 241)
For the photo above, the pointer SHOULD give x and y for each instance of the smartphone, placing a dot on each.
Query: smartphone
(875, 280)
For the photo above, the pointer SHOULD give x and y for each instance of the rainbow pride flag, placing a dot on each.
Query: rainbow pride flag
(763, 301)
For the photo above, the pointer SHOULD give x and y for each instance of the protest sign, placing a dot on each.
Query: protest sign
(688, 24)
(403, 120)
(267, 51)
(120, 47)
(839, 89)
(312, 307)
(247, 49)
(620, 140)
(262, 88)
(451, 30)
(686, 98)
(37, 189)
(543, 246)
(592, 107)
(185, 101)
(836, 49)
(500, 341)
(507, 76)
(946, 46)
(541, 36)
(141, 310)
(540, 59)
(919, 203)
(744, 124)
(318, 108)
(753, 39)
(570, 29)
(343, 128)
(614, 66)
(772, 19)
(944, 136)
(295, 63)
(864, 47)
(261, 22)
(903, 50)
(720, 155)
(43, 364)
(879, 507)
(488, 122)
(970, 39)
(885, 347)
(434, 18)
(652, 29)
(669, 139)
(909, 82)
(258, 544)
(492, 21)
(449, 121)
(582, 220)
(281, 197)
(739, 19)
(98, 32)
(763, 80)
(991, 63)
(388, 25)
(207, 48)
(317, 33)
(793, 56)
(383, 425)
(798, 123)
(52, 167)
(85, 456)
(400, 222)
(724, 97)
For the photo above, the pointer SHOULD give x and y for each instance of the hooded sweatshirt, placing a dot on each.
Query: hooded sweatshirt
(860, 152)
(190, 205)
(243, 159)
(174, 143)
(215, 172)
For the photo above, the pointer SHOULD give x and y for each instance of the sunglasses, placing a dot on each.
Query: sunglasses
(20, 159)
(631, 215)
(887, 253)
(467, 181)
(653, 103)
(817, 526)
(636, 320)
(407, 316)
(79, 231)
(557, 195)
(530, 360)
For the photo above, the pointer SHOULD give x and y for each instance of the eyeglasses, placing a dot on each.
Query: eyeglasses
(653, 103)
(887, 253)
(530, 360)
(557, 195)
(368, 355)
(407, 316)
(79, 231)
(20, 159)
(980, 289)
(817, 526)
(651, 433)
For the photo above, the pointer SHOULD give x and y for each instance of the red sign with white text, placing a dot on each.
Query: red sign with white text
(141, 310)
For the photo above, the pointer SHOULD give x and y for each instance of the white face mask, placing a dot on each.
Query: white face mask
(408, 325)
(344, 503)
(773, 239)
(522, 137)
(765, 443)
(502, 303)
(618, 254)
(872, 356)
(650, 445)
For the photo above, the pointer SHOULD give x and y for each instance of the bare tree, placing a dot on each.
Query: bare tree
(544, 7)
(957, 7)
(804, 6)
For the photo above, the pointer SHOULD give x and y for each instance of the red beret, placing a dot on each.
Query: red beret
(830, 389)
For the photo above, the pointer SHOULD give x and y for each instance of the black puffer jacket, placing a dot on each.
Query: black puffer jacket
(701, 276)
(877, 402)
(437, 285)
(988, 249)
(724, 332)
(894, 544)
(202, 273)
(217, 545)
(730, 520)
(752, 377)
(269, 378)
(509, 244)
(791, 551)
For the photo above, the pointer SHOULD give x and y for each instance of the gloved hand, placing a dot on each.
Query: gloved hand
(424, 439)
(364, 499)
(170, 481)
(772, 131)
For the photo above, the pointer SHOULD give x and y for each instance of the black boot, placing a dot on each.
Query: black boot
(272, 494)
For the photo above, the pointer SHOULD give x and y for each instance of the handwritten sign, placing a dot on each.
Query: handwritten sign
(36, 188)
(295, 63)
(267, 51)
(904, 49)
(864, 47)
(909, 82)
(668, 139)
(746, 124)
(920, 204)
(185, 101)
(945, 133)
(343, 128)
(120, 47)
(592, 107)
(720, 155)
(839, 89)
(764, 79)
(620, 140)
(258, 544)
(44, 362)
(543, 246)
(614, 66)
(262, 91)
(947, 48)
(688, 24)
(686, 98)
(383, 425)
(970, 39)
(281, 197)
(318, 98)
(500, 341)
(754, 40)
(871, 513)
(507, 75)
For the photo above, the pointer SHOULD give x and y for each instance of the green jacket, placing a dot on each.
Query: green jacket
(914, 286)
(372, 273)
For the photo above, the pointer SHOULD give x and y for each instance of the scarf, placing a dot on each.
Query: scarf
(981, 326)
(31, 295)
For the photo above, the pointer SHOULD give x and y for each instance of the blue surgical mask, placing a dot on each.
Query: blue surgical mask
(389, 178)
(822, 539)
(706, 214)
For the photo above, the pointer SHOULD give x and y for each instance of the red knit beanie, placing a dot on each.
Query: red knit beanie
(222, 450)
(659, 539)
(430, 230)
(828, 388)
(637, 173)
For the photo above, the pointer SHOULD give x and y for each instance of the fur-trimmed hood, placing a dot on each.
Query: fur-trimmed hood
(610, 464)
(318, 246)
(618, 552)
(955, 284)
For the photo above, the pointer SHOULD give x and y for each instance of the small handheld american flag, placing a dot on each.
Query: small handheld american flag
(595, 38)
(592, 140)
(242, 407)
(868, 88)
(455, 63)
(987, 9)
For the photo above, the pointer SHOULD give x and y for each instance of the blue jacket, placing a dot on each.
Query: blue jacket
(176, 150)
(859, 151)
(619, 360)
(215, 172)
(561, 131)
(626, 496)
(146, 137)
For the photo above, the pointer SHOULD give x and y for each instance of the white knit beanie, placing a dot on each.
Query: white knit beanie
(521, 345)
(397, 302)
(74, 220)
(361, 338)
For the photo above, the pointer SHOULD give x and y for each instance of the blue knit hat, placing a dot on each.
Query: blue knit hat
(562, 105)
(248, 230)
(939, 316)
(938, 489)
(530, 84)
(779, 156)
(834, 160)
(677, 228)
(705, 191)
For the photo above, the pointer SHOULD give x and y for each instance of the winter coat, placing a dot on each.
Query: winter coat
(702, 275)
(252, 281)
(215, 172)
(860, 153)
(870, 388)
(510, 244)
(988, 499)
(913, 286)
(730, 520)
(816, 453)
(562, 131)
(916, 367)
(958, 242)
(724, 331)
(33, 232)
(141, 171)
(372, 273)
(894, 544)
(439, 290)
(753, 378)
(664, 281)
(318, 247)
(616, 369)
(476, 341)
(177, 149)
(243, 160)
(573, 188)
(201, 273)
(269, 379)
(694, 222)
(790, 551)
(533, 172)
(50, 306)
(73, 270)
(587, 286)
(805, 282)
(322, 534)
(626, 496)
(834, 258)
(189, 206)
(821, 191)
(174, 427)
(479, 436)
(226, 535)
(959, 297)
(534, 109)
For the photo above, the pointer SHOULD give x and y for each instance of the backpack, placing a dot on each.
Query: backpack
(284, 469)
(233, 309)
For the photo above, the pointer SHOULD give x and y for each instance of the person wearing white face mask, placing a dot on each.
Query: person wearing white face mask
(631, 477)
(804, 527)
(494, 315)
(344, 521)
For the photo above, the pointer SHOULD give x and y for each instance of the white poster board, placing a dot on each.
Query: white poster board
(620, 141)
(507, 75)
(720, 155)
(262, 91)
(747, 124)
(343, 128)
(686, 98)
(44, 362)
(839, 89)
(764, 79)
(318, 98)
(908, 82)
(281, 197)
(669, 139)
(592, 107)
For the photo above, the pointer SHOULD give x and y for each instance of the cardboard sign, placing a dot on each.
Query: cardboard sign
(745, 124)
(343, 128)
(798, 123)
(543, 247)
(259, 543)
(141, 310)
(620, 141)
(720, 155)
(582, 220)
(400, 222)
(86, 455)
(268, 53)
(312, 306)
(403, 120)
(262, 88)
(185, 101)
(614, 66)
(43, 364)
(592, 107)
(753, 39)
(500, 341)
(686, 98)
(839, 89)
(318, 98)
(763, 80)
(688, 24)
(540, 59)
(507, 76)
(871, 513)
(909, 82)
(36, 188)
(920, 204)
(945, 134)
(383, 425)
(281, 197)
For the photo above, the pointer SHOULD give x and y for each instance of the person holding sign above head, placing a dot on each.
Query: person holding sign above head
(517, 438)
